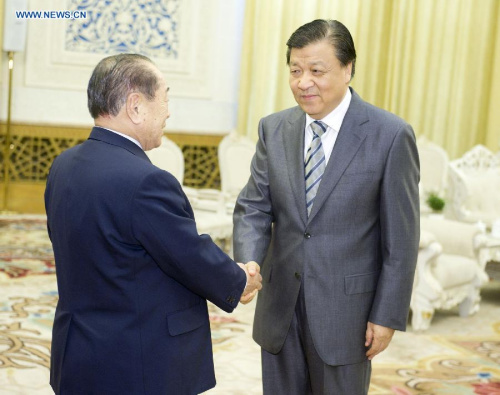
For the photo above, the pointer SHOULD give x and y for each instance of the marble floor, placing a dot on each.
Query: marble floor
(455, 356)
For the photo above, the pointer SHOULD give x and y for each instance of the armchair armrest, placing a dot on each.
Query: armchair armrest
(206, 199)
(455, 237)
(425, 282)
(426, 238)
(481, 240)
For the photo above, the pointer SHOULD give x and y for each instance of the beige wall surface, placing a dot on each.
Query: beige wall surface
(200, 62)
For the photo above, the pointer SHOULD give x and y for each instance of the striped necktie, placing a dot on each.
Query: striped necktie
(314, 164)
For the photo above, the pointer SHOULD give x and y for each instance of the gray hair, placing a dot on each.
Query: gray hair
(114, 78)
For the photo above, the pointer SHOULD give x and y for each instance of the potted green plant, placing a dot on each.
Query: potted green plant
(435, 202)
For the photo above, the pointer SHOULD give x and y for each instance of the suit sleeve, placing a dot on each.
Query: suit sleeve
(253, 211)
(163, 223)
(400, 230)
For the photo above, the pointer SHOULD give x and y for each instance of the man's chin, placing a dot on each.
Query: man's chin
(309, 109)
(311, 112)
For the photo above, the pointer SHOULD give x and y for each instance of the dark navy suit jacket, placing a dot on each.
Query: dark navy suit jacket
(133, 275)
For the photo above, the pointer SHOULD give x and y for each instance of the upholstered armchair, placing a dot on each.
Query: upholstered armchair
(168, 156)
(235, 154)
(448, 270)
(433, 168)
(474, 186)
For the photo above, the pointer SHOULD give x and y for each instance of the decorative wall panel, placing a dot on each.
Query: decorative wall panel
(61, 53)
(34, 148)
(201, 166)
(148, 27)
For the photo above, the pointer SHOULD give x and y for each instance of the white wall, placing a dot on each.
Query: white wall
(50, 81)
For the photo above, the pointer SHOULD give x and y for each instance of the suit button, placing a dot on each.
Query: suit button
(307, 235)
(297, 276)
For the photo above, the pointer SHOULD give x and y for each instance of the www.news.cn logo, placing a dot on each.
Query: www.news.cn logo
(51, 14)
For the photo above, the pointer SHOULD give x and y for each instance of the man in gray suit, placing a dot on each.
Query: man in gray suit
(331, 212)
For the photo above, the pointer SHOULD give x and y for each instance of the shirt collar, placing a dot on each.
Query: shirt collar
(125, 136)
(335, 118)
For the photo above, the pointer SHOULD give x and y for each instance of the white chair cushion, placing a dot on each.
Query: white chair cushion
(433, 168)
(235, 156)
(483, 195)
(454, 270)
(168, 156)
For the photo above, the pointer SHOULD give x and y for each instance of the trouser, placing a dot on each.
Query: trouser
(298, 369)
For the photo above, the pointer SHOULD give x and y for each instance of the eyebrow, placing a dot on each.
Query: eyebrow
(313, 63)
(317, 62)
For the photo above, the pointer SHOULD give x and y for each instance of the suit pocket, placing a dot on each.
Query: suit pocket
(349, 178)
(351, 173)
(361, 283)
(187, 320)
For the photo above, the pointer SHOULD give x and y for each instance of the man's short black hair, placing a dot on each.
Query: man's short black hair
(320, 29)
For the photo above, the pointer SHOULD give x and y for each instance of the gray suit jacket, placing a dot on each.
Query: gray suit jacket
(356, 253)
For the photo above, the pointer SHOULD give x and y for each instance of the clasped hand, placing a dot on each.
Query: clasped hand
(254, 281)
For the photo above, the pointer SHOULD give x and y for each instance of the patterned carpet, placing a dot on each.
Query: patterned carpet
(455, 356)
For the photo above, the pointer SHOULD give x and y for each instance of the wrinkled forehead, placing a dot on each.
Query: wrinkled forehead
(318, 52)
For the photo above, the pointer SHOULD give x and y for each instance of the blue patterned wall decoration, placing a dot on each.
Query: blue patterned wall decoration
(149, 27)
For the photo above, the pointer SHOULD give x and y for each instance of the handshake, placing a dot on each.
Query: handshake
(254, 281)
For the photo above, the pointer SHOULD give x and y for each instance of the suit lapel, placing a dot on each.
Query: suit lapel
(349, 139)
(293, 141)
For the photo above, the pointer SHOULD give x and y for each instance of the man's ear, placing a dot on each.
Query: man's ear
(133, 107)
(348, 73)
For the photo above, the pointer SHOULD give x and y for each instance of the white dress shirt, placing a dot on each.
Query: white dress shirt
(124, 135)
(333, 121)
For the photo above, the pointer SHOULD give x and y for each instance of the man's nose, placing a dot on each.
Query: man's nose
(305, 82)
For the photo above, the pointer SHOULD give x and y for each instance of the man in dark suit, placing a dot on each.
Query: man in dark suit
(133, 273)
(331, 212)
